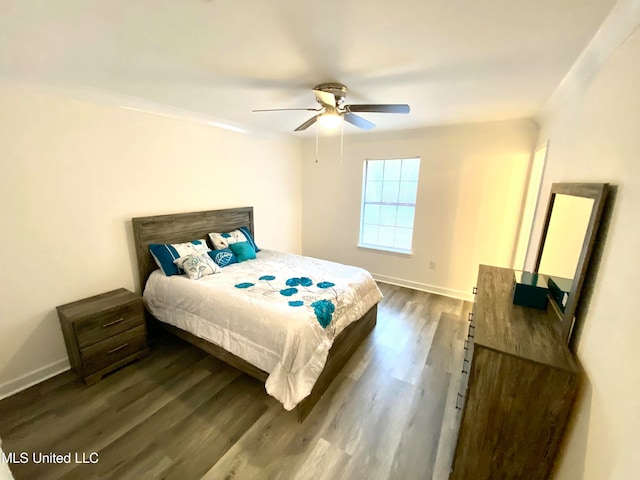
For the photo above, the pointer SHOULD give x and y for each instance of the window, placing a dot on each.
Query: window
(389, 195)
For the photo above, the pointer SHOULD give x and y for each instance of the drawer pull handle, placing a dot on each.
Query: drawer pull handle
(463, 362)
(470, 317)
(121, 319)
(458, 407)
(475, 290)
(113, 350)
(466, 344)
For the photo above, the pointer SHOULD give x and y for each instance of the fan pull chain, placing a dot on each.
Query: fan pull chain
(341, 141)
(317, 142)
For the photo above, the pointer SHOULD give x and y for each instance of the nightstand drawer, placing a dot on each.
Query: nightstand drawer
(107, 352)
(103, 325)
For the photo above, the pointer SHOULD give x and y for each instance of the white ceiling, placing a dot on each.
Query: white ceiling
(453, 61)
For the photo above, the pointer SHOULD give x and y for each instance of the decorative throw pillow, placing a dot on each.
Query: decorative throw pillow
(243, 250)
(249, 238)
(223, 240)
(198, 265)
(223, 257)
(165, 253)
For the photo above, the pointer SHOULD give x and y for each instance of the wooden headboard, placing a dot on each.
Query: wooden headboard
(183, 227)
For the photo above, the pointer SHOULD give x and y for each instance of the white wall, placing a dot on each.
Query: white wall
(471, 185)
(73, 175)
(594, 137)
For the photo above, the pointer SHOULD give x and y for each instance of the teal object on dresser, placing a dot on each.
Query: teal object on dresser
(530, 290)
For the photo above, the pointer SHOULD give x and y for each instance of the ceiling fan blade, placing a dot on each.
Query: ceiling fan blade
(325, 98)
(390, 108)
(287, 109)
(358, 121)
(307, 124)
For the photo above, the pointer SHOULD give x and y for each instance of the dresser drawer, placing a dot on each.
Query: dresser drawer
(103, 325)
(102, 354)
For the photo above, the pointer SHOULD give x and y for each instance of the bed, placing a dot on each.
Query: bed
(268, 293)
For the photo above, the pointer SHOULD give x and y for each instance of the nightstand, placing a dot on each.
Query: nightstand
(103, 333)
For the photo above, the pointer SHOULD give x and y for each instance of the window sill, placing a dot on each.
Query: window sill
(404, 253)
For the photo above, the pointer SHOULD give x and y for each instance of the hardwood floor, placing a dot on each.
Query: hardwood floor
(181, 414)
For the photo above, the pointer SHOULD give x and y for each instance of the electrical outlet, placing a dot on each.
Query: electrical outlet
(432, 265)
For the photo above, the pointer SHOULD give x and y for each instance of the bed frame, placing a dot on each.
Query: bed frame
(183, 227)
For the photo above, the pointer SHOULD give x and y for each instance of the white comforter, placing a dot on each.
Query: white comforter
(269, 311)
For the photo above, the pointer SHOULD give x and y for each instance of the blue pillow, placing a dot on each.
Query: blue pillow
(223, 257)
(247, 234)
(165, 253)
(243, 250)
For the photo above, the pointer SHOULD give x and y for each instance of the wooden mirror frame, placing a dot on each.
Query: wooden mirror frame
(597, 192)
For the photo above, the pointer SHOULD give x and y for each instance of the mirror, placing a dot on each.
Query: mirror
(569, 231)
(567, 228)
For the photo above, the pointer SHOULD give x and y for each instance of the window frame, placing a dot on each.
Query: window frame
(397, 203)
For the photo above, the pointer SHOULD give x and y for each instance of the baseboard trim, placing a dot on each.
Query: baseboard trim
(32, 378)
(424, 287)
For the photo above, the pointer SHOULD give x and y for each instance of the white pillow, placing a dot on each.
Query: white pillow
(197, 266)
(165, 254)
(222, 240)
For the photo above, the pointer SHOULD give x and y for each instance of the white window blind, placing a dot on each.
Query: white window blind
(389, 192)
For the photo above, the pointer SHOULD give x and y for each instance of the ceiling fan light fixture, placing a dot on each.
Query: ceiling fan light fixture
(330, 120)
(331, 99)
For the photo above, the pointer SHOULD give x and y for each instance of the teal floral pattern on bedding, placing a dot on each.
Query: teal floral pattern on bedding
(324, 311)
(287, 292)
(322, 298)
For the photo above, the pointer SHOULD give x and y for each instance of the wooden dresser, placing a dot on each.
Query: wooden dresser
(103, 333)
(518, 386)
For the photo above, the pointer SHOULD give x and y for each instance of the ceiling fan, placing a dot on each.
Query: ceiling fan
(331, 97)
